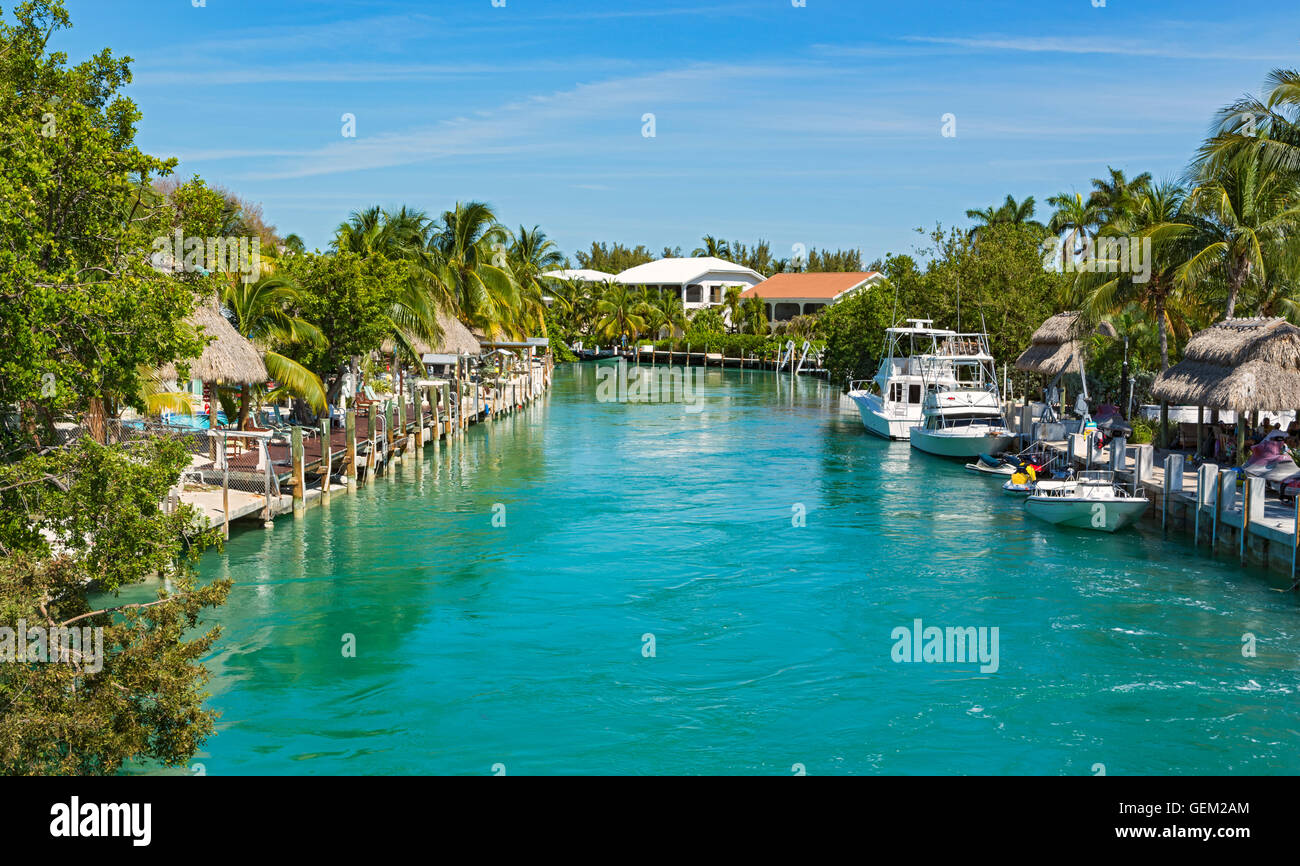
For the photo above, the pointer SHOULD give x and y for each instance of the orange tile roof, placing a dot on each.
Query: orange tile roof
(816, 285)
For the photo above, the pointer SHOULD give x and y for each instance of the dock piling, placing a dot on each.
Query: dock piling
(299, 473)
(350, 435)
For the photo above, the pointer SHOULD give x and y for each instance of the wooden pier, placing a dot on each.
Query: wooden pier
(317, 463)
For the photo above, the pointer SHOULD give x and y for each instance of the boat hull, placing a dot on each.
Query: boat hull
(883, 424)
(947, 445)
(1102, 515)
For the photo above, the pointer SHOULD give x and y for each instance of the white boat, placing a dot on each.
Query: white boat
(961, 415)
(890, 404)
(1091, 501)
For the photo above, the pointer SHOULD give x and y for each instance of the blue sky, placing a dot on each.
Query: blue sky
(818, 125)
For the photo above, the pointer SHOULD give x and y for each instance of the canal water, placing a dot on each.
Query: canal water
(716, 586)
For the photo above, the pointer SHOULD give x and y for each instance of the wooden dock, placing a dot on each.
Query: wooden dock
(262, 478)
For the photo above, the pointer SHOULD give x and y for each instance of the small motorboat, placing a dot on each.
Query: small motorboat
(1090, 501)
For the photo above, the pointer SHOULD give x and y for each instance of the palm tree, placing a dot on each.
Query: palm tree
(531, 255)
(1151, 214)
(1074, 219)
(713, 247)
(621, 312)
(263, 312)
(1010, 212)
(1112, 194)
(753, 315)
(469, 253)
(667, 311)
(732, 302)
(1243, 217)
(1271, 125)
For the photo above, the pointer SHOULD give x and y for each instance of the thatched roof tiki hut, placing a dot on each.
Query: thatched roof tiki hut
(230, 359)
(1057, 346)
(1242, 365)
(456, 339)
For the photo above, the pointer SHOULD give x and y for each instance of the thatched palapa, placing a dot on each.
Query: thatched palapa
(456, 339)
(230, 359)
(1239, 364)
(1056, 342)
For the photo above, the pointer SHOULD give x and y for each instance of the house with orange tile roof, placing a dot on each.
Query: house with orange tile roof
(790, 295)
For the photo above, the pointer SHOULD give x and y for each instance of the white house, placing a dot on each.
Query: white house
(790, 295)
(702, 282)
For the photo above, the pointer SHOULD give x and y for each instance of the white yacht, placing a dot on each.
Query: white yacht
(890, 404)
(961, 415)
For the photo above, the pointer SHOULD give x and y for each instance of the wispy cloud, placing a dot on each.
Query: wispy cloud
(540, 123)
(1094, 45)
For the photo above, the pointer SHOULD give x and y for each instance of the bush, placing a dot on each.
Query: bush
(1142, 433)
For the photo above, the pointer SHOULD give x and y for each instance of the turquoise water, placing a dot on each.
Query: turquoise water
(522, 645)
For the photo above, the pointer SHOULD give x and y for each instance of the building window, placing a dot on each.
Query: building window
(786, 312)
(693, 294)
(809, 309)
(715, 294)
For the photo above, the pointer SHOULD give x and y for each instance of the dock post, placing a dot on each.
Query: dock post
(1204, 485)
(372, 431)
(350, 435)
(1143, 456)
(401, 418)
(417, 402)
(225, 487)
(390, 418)
(1218, 505)
(326, 457)
(1173, 483)
(460, 402)
(264, 454)
(1118, 454)
(299, 476)
(1252, 509)
(1295, 541)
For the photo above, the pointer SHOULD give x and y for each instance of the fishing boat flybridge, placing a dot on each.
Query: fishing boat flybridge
(890, 404)
(961, 414)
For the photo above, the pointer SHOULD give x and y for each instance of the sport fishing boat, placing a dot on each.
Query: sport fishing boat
(1090, 501)
(890, 404)
(961, 415)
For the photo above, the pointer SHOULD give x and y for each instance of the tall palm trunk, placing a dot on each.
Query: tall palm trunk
(1239, 275)
(1162, 327)
(245, 398)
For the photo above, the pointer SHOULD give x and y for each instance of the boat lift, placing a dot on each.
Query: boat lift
(787, 354)
(803, 355)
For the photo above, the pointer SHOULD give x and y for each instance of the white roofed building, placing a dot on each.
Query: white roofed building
(586, 275)
(702, 282)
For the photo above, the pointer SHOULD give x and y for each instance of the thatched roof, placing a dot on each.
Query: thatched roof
(456, 339)
(230, 359)
(1237, 364)
(1056, 342)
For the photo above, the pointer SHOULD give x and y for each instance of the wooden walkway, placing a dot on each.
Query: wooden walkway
(324, 469)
